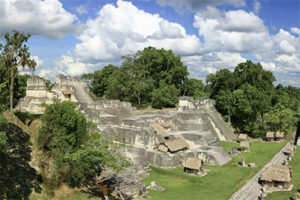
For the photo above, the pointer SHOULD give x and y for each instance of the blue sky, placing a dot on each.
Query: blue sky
(80, 36)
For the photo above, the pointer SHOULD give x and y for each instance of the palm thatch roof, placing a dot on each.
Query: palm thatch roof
(245, 144)
(279, 134)
(270, 134)
(192, 163)
(176, 144)
(159, 129)
(279, 173)
(243, 136)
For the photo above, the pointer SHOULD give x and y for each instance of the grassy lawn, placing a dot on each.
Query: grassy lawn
(295, 180)
(220, 183)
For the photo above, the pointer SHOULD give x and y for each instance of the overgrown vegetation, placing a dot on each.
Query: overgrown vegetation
(17, 177)
(248, 99)
(153, 77)
(220, 183)
(71, 153)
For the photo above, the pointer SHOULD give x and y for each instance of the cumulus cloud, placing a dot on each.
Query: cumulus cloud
(226, 38)
(202, 65)
(81, 10)
(295, 30)
(39, 62)
(182, 6)
(47, 18)
(256, 6)
(233, 31)
(123, 29)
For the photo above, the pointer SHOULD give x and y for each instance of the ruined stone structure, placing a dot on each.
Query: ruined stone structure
(277, 178)
(160, 138)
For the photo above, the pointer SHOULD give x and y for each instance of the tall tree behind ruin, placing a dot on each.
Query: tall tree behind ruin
(14, 54)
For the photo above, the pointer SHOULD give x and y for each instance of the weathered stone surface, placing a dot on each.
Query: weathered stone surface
(251, 165)
(162, 148)
(195, 121)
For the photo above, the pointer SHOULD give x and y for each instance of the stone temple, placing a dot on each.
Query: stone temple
(159, 138)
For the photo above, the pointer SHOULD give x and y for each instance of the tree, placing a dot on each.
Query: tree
(76, 156)
(63, 130)
(15, 53)
(222, 80)
(280, 118)
(165, 96)
(194, 88)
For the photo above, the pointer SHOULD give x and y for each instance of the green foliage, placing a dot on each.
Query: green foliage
(141, 76)
(3, 137)
(49, 84)
(89, 161)
(247, 99)
(64, 128)
(17, 177)
(14, 53)
(280, 118)
(195, 88)
(165, 96)
(77, 155)
(20, 89)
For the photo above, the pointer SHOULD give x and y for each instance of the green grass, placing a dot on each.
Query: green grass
(295, 180)
(220, 183)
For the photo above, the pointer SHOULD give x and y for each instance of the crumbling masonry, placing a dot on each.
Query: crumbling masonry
(159, 138)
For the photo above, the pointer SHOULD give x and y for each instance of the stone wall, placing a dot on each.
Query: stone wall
(196, 122)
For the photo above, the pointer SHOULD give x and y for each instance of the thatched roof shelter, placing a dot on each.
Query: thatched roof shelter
(192, 163)
(245, 144)
(270, 134)
(176, 144)
(243, 136)
(159, 129)
(278, 173)
(279, 135)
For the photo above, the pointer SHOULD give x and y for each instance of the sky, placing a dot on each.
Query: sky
(80, 36)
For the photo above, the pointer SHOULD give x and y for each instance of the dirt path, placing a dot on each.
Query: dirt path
(252, 189)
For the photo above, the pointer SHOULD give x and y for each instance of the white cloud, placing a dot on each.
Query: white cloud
(256, 6)
(39, 62)
(226, 38)
(45, 73)
(71, 66)
(124, 29)
(211, 62)
(295, 30)
(195, 5)
(81, 10)
(233, 31)
(47, 18)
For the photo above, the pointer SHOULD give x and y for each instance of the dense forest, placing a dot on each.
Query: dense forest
(247, 97)
(72, 153)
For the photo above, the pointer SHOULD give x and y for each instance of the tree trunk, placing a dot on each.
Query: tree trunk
(11, 90)
(104, 190)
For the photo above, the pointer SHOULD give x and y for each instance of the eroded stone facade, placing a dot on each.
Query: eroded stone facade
(196, 121)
